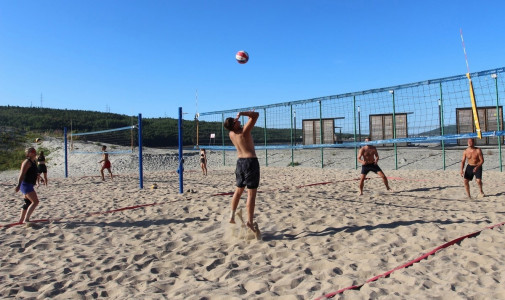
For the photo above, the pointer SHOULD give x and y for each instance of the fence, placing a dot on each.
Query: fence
(430, 112)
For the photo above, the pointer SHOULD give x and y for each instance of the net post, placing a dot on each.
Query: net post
(265, 130)
(131, 135)
(355, 144)
(441, 111)
(321, 131)
(141, 173)
(181, 162)
(222, 138)
(66, 155)
(394, 129)
(292, 150)
(197, 133)
(495, 76)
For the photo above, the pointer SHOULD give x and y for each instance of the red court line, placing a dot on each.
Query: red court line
(302, 186)
(410, 263)
(86, 215)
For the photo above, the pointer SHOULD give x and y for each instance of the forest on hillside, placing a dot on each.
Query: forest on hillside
(156, 132)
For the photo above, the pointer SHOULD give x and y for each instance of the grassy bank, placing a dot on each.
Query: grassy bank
(13, 144)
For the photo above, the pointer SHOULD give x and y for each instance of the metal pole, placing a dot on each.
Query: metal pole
(495, 76)
(394, 129)
(321, 132)
(292, 150)
(66, 156)
(196, 120)
(141, 164)
(359, 122)
(355, 142)
(441, 103)
(265, 130)
(222, 138)
(181, 160)
(294, 117)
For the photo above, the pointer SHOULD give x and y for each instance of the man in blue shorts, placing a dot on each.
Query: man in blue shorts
(474, 167)
(368, 157)
(247, 171)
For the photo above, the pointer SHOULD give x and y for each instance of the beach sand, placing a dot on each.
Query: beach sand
(318, 235)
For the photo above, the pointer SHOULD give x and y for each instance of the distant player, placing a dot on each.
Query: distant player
(41, 159)
(369, 157)
(203, 161)
(106, 162)
(247, 171)
(474, 167)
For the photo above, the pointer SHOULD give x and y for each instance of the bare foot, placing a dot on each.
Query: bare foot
(255, 229)
(239, 215)
(232, 221)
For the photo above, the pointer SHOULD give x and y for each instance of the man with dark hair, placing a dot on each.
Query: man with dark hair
(474, 167)
(247, 171)
(369, 157)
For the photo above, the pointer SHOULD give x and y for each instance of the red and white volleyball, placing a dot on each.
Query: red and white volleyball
(242, 57)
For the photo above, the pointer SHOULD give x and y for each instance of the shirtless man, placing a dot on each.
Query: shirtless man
(474, 167)
(247, 171)
(106, 162)
(368, 157)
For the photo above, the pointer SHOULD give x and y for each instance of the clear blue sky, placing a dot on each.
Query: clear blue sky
(150, 56)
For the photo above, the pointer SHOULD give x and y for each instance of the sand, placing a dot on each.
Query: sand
(318, 235)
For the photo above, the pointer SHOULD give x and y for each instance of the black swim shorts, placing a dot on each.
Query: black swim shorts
(248, 173)
(469, 173)
(370, 167)
(42, 169)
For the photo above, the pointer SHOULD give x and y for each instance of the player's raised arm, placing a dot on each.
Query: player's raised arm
(253, 117)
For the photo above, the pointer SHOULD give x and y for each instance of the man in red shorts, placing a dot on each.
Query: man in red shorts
(106, 162)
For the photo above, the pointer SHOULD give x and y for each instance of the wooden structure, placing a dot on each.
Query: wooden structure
(487, 120)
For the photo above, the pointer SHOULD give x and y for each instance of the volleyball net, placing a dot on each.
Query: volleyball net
(120, 140)
(434, 112)
(122, 145)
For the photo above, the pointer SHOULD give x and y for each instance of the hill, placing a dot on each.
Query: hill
(156, 132)
(161, 132)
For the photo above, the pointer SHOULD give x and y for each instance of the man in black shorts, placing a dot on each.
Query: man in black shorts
(368, 157)
(474, 167)
(247, 171)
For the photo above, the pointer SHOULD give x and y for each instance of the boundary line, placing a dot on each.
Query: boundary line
(410, 263)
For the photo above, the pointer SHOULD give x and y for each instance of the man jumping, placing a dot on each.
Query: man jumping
(247, 171)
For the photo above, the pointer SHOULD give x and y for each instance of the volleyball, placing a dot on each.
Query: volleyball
(242, 57)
